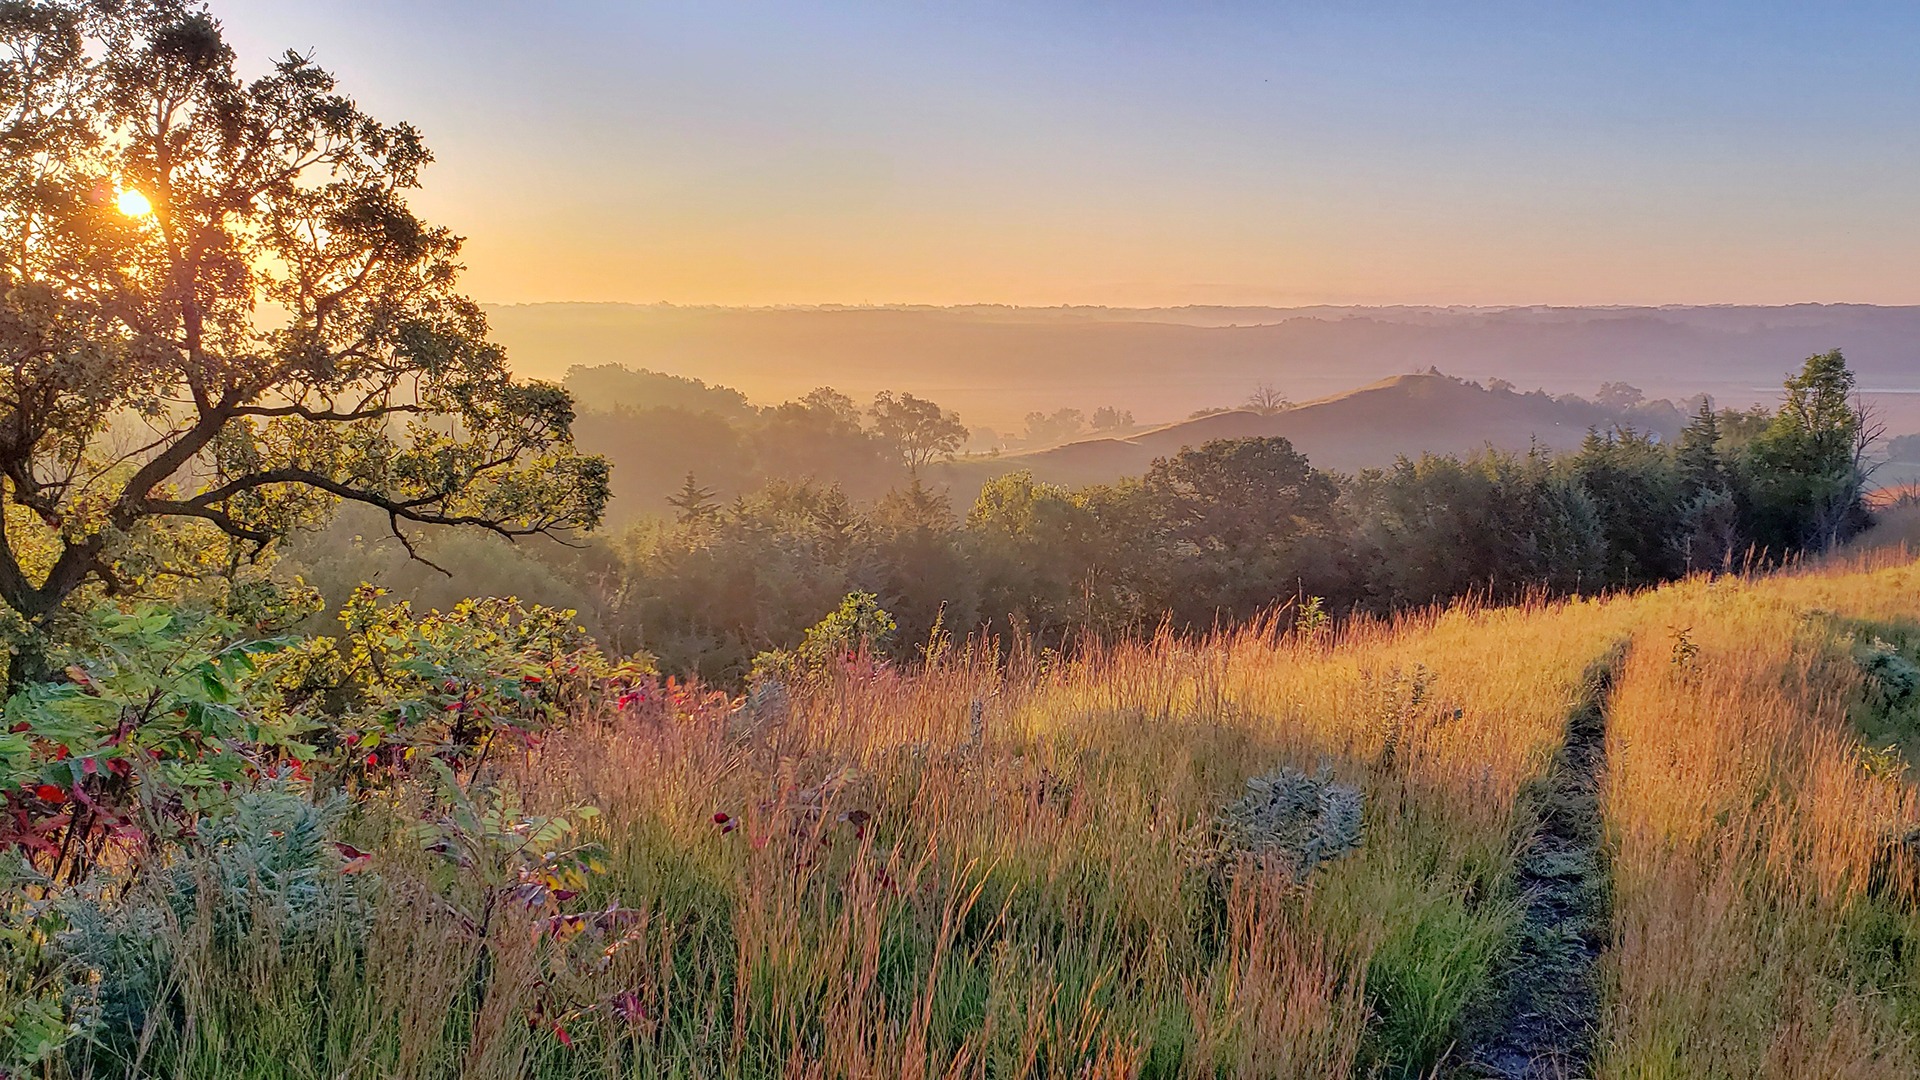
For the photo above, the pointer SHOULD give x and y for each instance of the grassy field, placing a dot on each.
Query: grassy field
(1048, 867)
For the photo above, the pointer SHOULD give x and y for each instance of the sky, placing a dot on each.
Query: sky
(1137, 154)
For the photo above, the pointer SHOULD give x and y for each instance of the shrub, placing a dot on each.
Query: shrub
(1295, 821)
(399, 684)
(261, 880)
(154, 727)
(1896, 677)
(853, 632)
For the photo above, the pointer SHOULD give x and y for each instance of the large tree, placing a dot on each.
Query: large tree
(920, 431)
(1808, 468)
(219, 315)
(1250, 522)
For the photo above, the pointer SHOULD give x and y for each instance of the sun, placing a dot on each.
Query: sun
(133, 204)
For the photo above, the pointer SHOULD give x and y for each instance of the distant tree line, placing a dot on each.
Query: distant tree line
(659, 428)
(1224, 531)
(656, 428)
(1213, 535)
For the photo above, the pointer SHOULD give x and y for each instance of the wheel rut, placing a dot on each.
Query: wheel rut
(1546, 1021)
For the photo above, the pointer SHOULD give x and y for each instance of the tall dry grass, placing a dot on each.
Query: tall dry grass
(1760, 925)
(997, 869)
(982, 870)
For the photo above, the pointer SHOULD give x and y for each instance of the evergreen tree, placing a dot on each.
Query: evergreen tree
(695, 503)
(1807, 470)
(1701, 466)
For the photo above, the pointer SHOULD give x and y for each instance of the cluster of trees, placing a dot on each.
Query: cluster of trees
(1046, 429)
(1227, 530)
(659, 428)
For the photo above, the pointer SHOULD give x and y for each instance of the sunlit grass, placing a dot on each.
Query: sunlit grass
(1002, 869)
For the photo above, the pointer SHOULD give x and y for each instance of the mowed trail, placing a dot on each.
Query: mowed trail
(1549, 1014)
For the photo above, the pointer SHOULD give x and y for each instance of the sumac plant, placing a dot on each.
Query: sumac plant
(488, 676)
(153, 728)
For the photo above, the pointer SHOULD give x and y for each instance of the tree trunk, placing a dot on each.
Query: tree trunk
(29, 664)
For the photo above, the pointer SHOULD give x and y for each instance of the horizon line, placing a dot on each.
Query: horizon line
(828, 305)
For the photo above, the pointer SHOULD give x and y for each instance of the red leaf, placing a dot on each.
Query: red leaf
(356, 860)
(627, 1006)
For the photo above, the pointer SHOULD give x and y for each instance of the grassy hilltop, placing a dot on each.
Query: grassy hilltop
(346, 737)
(1136, 861)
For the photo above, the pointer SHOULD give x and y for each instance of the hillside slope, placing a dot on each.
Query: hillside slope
(1362, 428)
(1662, 834)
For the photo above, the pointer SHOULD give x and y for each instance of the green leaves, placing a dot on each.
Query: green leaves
(155, 726)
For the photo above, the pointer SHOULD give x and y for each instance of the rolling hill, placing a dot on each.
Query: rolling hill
(995, 364)
(1361, 428)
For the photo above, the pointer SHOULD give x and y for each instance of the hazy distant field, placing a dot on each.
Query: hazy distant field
(995, 364)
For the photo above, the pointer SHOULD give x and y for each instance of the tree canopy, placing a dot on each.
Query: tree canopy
(216, 307)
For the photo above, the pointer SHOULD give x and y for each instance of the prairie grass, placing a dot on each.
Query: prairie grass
(1764, 923)
(1009, 868)
(985, 869)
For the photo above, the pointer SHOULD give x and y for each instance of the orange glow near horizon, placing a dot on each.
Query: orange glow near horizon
(1146, 155)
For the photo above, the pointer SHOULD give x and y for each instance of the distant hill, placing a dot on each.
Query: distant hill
(995, 364)
(1369, 426)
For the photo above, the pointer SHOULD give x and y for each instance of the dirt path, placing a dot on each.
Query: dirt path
(1545, 1026)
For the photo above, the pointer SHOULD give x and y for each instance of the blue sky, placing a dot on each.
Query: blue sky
(1150, 153)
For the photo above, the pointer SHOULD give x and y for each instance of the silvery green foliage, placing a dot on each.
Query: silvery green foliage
(768, 705)
(1295, 820)
(266, 875)
(1896, 676)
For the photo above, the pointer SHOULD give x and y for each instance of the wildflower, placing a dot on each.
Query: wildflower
(720, 817)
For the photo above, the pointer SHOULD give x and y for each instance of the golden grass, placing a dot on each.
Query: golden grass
(909, 894)
(1001, 870)
(1746, 826)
